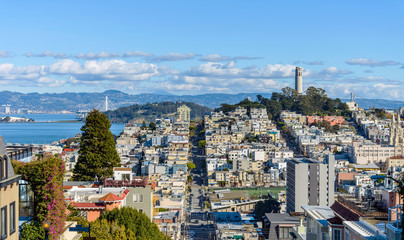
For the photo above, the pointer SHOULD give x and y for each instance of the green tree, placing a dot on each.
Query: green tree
(144, 126)
(189, 178)
(136, 222)
(103, 229)
(190, 166)
(268, 206)
(201, 143)
(152, 125)
(32, 231)
(97, 154)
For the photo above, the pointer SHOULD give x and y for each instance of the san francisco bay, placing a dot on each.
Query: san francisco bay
(46, 129)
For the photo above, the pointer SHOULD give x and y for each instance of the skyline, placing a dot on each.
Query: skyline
(213, 47)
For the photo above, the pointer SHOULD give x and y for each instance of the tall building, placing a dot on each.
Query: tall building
(309, 182)
(299, 80)
(6, 108)
(352, 105)
(396, 138)
(184, 113)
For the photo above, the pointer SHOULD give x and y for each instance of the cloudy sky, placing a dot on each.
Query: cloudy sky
(192, 47)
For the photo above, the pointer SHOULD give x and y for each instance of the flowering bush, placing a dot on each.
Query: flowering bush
(45, 176)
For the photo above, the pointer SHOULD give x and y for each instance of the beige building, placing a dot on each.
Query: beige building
(396, 161)
(371, 153)
(184, 113)
(9, 196)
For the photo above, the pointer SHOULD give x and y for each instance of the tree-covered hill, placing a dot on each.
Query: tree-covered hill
(313, 102)
(150, 111)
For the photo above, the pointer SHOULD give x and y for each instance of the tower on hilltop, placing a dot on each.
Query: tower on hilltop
(299, 80)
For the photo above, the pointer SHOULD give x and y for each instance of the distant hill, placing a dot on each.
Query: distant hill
(54, 102)
(377, 103)
(151, 111)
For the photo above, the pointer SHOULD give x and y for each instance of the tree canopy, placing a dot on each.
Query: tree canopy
(151, 111)
(268, 206)
(97, 153)
(201, 143)
(190, 166)
(314, 102)
(138, 223)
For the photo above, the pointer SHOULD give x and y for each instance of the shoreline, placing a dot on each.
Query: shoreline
(61, 121)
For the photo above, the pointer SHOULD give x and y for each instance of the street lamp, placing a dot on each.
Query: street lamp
(46, 226)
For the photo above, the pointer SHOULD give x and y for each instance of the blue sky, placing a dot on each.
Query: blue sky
(191, 47)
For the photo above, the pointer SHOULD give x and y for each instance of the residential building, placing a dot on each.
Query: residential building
(333, 120)
(277, 226)
(9, 196)
(309, 182)
(139, 193)
(365, 153)
(184, 113)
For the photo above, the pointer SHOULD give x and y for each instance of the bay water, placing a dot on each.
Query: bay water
(46, 129)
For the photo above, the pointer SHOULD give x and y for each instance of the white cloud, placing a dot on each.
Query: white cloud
(219, 77)
(218, 58)
(104, 70)
(375, 91)
(370, 62)
(172, 57)
(309, 63)
(5, 54)
(90, 55)
(136, 54)
(383, 86)
(50, 82)
(46, 54)
(229, 70)
(68, 71)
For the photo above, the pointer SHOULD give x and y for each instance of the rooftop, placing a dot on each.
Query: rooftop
(281, 218)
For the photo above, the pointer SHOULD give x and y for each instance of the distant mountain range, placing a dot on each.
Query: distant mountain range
(56, 102)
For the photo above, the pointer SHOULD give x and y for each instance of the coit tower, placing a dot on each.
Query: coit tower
(299, 80)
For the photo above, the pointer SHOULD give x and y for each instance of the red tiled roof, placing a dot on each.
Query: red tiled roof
(87, 205)
(122, 169)
(110, 197)
(125, 193)
(69, 150)
(345, 212)
(335, 220)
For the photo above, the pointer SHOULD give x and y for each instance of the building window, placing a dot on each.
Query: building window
(284, 232)
(346, 234)
(3, 167)
(337, 234)
(125, 177)
(137, 197)
(3, 230)
(12, 218)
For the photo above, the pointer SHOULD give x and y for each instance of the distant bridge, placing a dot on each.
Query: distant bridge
(102, 107)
